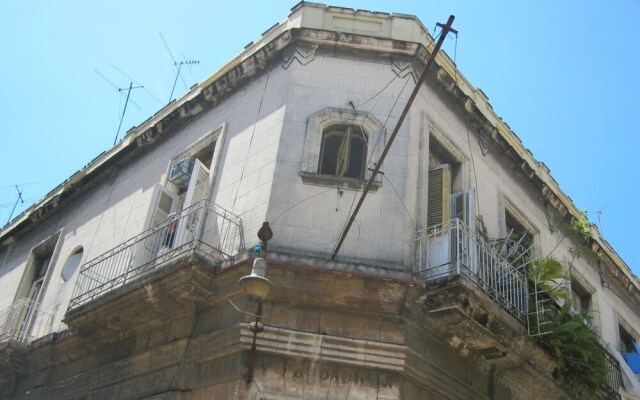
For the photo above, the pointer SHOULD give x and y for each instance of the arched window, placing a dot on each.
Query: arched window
(72, 264)
(343, 152)
(337, 146)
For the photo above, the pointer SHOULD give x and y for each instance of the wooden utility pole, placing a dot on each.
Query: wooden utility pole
(376, 170)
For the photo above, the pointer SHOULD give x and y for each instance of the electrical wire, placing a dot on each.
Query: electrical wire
(402, 202)
(256, 315)
(255, 125)
(473, 165)
(300, 202)
(466, 125)
(415, 57)
(142, 86)
(372, 152)
(382, 130)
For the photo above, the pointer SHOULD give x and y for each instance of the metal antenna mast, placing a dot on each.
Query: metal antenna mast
(180, 64)
(125, 108)
(127, 101)
(378, 165)
(18, 200)
(599, 212)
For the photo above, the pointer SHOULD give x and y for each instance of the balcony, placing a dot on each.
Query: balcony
(470, 269)
(205, 228)
(453, 250)
(24, 321)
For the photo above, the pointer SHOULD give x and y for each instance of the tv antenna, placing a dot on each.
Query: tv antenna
(18, 200)
(121, 91)
(139, 84)
(178, 64)
(599, 212)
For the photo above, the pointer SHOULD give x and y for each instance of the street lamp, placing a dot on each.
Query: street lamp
(257, 287)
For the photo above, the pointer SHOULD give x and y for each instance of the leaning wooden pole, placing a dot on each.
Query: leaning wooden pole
(378, 165)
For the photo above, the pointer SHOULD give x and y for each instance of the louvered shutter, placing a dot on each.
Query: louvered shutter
(439, 196)
(198, 185)
(197, 191)
(463, 208)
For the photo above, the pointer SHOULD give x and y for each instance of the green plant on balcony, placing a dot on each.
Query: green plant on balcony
(580, 359)
(579, 356)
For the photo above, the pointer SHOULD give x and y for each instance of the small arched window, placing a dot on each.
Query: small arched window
(72, 264)
(343, 152)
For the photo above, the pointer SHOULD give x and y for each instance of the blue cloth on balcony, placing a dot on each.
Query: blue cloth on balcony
(633, 359)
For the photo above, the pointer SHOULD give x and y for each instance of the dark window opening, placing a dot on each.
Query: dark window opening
(343, 152)
(581, 297)
(516, 246)
(627, 341)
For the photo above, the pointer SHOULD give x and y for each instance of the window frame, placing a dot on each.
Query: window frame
(319, 122)
(510, 211)
(345, 133)
(49, 247)
(216, 137)
(631, 333)
(584, 288)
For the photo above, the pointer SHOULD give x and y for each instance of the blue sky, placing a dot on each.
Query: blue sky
(563, 74)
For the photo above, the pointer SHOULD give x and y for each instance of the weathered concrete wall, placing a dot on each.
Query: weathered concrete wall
(266, 123)
(331, 335)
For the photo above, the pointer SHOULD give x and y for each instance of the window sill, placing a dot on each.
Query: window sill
(334, 181)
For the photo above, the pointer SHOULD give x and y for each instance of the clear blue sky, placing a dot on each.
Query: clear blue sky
(565, 75)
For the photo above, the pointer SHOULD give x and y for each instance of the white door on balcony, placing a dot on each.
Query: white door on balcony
(438, 221)
(198, 190)
(27, 314)
(463, 242)
(163, 236)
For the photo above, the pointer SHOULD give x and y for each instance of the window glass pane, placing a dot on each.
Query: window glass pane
(42, 269)
(330, 146)
(71, 265)
(356, 158)
(165, 203)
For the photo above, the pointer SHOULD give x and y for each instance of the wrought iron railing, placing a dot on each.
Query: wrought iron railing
(205, 226)
(543, 312)
(543, 319)
(24, 321)
(453, 249)
(611, 388)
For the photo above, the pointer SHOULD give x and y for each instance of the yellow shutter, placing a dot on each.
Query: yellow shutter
(439, 196)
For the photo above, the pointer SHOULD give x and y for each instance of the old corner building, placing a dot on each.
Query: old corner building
(123, 282)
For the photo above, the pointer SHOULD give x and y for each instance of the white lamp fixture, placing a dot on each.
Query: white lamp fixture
(256, 286)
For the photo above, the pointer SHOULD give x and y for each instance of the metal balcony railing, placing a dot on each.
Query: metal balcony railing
(542, 320)
(611, 389)
(204, 226)
(453, 249)
(24, 321)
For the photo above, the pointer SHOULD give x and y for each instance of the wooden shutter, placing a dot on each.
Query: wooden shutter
(439, 196)
(198, 185)
(197, 191)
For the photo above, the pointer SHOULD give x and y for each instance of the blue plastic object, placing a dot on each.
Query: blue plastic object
(633, 359)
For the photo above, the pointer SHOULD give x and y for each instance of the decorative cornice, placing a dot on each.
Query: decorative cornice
(327, 348)
(302, 53)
